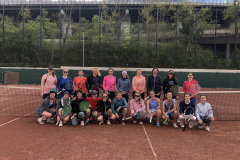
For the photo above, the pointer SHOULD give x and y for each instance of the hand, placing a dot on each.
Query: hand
(191, 117)
(177, 97)
(105, 112)
(63, 89)
(74, 114)
(200, 121)
(41, 93)
(90, 106)
(183, 115)
(212, 118)
(109, 100)
(151, 115)
(123, 92)
(90, 91)
(118, 109)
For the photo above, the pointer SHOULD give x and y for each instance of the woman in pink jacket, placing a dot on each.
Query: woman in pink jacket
(135, 104)
(139, 83)
(109, 84)
(187, 84)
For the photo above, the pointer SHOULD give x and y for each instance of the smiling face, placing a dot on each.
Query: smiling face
(79, 95)
(155, 72)
(170, 75)
(139, 72)
(66, 96)
(119, 96)
(190, 76)
(110, 71)
(94, 96)
(187, 97)
(52, 95)
(203, 99)
(80, 73)
(65, 72)
(104, 97)
(95, 72)
(50, 71)
(137, 96)
(124, 75)
(152, 94)
(169, 96)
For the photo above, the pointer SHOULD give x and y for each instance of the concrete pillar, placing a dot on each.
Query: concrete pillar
(227, 53)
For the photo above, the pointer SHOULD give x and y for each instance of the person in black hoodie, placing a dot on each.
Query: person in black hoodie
(170, 81)
(92, 80)
(76, 113)
(104, 109)
(154, 82)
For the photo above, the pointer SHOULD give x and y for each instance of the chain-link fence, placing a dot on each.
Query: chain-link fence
(127, 33)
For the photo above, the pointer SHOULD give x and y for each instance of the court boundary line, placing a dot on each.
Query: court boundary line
(154, 153)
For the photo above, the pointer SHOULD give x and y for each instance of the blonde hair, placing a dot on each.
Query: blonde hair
(140, 97)
(98, 73)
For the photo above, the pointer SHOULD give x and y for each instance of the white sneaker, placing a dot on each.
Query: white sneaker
(40, 120)
(200, 127)
(181, 124)
(82, 123)
(207, 128)
(175, 125)
(166, 124)
(190, 126)
(178, 120)
(57, 123)
(123, 123)
(50, 120)
(134, 121)
(60, 124)
(140, 122)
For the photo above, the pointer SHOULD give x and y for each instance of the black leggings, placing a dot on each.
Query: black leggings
(205, 120)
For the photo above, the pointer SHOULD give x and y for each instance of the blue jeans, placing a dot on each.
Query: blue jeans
(194, 100)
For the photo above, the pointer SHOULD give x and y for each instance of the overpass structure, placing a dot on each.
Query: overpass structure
(217, 3)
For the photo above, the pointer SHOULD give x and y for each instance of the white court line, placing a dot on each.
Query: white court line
(9, 122)
(14, 119)
(154, 153)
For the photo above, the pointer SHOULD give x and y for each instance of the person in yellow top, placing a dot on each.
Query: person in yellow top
(139, 83)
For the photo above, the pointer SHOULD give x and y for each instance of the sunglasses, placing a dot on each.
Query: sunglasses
(65, 71)
(136, 96)
(53, 90)
(105, 96)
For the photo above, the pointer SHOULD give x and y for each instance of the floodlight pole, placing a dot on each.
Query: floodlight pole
(83, 49)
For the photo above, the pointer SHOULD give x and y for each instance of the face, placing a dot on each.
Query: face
(110, 71)
(119, 96)
(203, 99)
(94, 96)
(52, 95)
(66, 96)
(187, 97)
(79, 95)
(190, 76)
(155, 72)
(105, 97)
(50, 70)
(170, 75)
(65, 72)
(124, 75)
(152, 94)
(169, 96)
(95, 71)
(137, 96)
(80, 73)
(139, 72)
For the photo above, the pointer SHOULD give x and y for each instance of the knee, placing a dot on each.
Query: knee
(180, 117)
(109, 111)
(100, 118)
(163, 117)
(113, 117)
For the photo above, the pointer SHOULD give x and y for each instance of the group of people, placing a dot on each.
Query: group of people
(114, 102)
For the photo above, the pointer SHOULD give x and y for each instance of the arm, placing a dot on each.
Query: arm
(125, 104)
(46, 106)
(104, 83)
(184, 87)
(131, 107)
(58, 84)
(174, 106)
(159, 105)
(148, 85)
(42, 83)
(143, 104)
(134, 83)
(129, 86)
(144, 83)
(160, 81)
(197, 112)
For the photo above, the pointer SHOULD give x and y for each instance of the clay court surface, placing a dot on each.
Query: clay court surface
(24, 138)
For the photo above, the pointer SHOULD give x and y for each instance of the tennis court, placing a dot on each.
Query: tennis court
(23, 138)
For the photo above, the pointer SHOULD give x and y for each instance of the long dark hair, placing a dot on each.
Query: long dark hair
(173, 78)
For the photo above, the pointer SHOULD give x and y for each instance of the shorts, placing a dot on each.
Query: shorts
(153, 111)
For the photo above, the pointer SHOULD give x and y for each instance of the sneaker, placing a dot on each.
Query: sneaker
(207, 128)
(175, 125)
(200, 127)
(178, 120)
(50, 120)
(60, 124)
(64, 122)
(82, 123)
(140, 122)
(40, 120)
(190, 126)
(134, 121)
(87, 122)
(166, 123)
(123, 123)
(181, 124)
(115, 121)
(57, 123)
(158, 124)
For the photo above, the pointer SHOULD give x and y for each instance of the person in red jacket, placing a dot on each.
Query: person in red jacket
(187, 84)
(93, 101)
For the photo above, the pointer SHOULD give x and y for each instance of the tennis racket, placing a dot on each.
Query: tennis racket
(96, 87)
(211, 113)
(68, 86)
(188, 112)
(84, 106)
(169, 114)
(104, 110)
(81, 85)
(111, 88)
(153, 111)
(141, 113)
(174, 90)
(194, 89)
(66, 110)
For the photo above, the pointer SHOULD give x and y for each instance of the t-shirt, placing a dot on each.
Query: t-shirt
(168, 107)
(93, 103)
(80, 83)
(103, 106)
(109, 83)
(183, 106)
